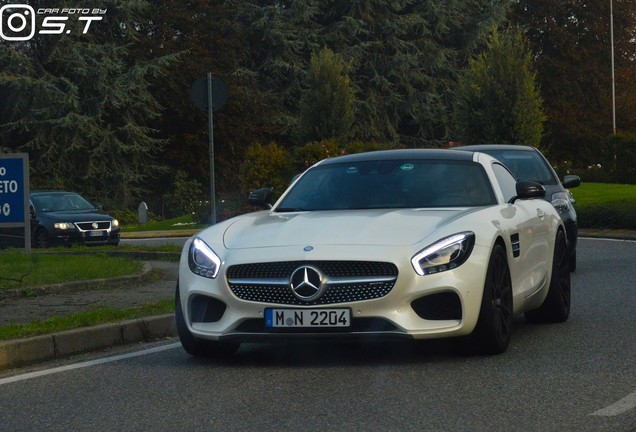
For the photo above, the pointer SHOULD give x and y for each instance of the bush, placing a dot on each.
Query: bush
(185, 196)
(130, 217)
(307, 155)
(615, 214)
(125, 217)
(265, 166)
(594, 174)
(615, 162)
(310, 153)
(623, 147)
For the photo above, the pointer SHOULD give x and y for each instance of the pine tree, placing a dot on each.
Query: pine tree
(497, 99)
(326, 106)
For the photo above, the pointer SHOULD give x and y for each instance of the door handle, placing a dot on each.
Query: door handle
(540, 213)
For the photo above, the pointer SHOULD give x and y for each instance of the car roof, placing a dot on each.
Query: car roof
(438, 154)
(486, 147)
(50, 192)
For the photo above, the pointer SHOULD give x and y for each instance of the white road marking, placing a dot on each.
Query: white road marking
(619, 407)
(608, 239)
(111, 359)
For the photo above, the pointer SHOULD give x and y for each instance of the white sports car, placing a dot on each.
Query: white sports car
(409, 244)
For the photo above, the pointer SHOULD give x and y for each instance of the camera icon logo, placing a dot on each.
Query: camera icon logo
(17, 22)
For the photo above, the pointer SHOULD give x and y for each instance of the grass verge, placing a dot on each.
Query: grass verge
(19, 270)
(606, 205)
(83, 319)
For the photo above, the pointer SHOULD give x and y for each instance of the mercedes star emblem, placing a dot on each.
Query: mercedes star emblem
(307, 283)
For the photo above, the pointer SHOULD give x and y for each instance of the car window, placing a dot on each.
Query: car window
(525, 165)
(390, 184)
(60, 202)
(506, 181)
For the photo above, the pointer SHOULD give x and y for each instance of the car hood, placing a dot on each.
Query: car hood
(351, 227)
(79, 216)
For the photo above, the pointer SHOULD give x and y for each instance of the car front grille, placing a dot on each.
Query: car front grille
(88, 226)
(347, 281)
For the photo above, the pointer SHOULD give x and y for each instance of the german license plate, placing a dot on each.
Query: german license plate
(96, 233)
(313, 318)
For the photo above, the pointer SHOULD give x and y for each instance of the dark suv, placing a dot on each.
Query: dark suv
(527, 163)
(65, 218)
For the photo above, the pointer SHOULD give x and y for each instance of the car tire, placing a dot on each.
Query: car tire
(198, 347)
(494, 325)
(573, 261)
(41, 239)
(556, 306)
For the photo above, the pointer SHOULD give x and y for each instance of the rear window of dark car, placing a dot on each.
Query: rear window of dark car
(525, 165)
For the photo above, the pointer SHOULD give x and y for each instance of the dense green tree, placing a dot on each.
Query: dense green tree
(80, 105)
(405, 56)
(326, 105)
(279, 37)
(571, 42)
(497, 97)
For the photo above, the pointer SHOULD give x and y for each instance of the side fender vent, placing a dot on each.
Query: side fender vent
(516, 246)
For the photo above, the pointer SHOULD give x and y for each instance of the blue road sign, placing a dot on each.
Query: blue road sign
(12, 190)
(14, 197)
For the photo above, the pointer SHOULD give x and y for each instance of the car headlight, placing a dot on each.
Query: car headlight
(64, 225)
(202, 259)
(561, 202)
(445, 254)
(115, 223)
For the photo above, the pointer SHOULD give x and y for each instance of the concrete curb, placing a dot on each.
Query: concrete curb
(22, 352)
(155, 234)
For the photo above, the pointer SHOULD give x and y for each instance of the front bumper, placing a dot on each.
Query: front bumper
(439, 305)
(87, 238)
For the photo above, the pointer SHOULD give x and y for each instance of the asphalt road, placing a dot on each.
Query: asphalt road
(576, 376)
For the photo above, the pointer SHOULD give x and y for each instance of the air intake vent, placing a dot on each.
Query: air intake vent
(440, 306)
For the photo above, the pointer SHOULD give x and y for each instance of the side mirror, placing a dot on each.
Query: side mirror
(528, 190)
(261, 197)
(571, 181)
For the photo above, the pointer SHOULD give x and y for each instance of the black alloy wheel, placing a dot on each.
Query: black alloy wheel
(42, 239)
(556, 306)
(494, 326)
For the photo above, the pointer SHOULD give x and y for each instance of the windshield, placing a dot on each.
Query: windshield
(58, 202)
(525, 165)
(390, 184)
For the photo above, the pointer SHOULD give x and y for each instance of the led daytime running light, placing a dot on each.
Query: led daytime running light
(202, 260)
(464, 242)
